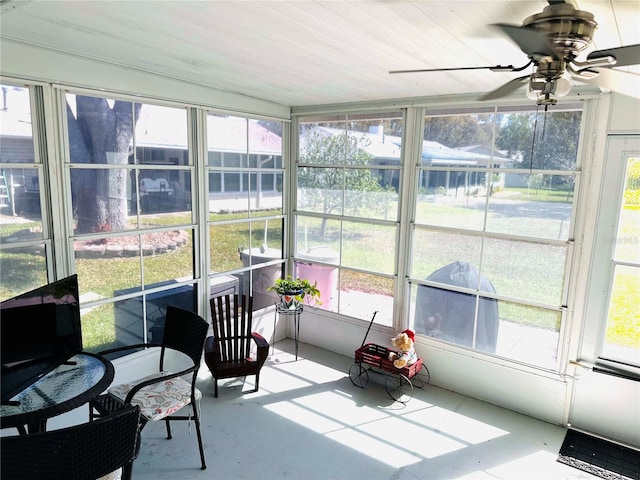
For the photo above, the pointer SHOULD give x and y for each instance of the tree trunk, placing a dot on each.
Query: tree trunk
(100, 134)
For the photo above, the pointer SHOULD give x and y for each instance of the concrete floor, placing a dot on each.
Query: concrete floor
(308, 421)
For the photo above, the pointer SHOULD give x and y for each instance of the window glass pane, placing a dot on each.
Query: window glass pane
(167, 257)
(264, 196)
(15, 128)
(627, 245)
(122, 322)
(434, 249)
(20, 195)
(261, 279)
(227, 244)
(518, 332)
(326, 276)
(451, 316)
(99, 326)
(161, 135)
(318, 233)
(531, 271)
(457, 131)
(268, 234)
(214, 159)
(366, 197)
(23, 232)
(236, 245)
(224, 285)
(22, 269)
(459, 141)
(23, 227)
(321, 190)
(103, 200)
(21, 220)
(453, 198)
(362, 294)
(322, 143)
(622, 336)
(369, 247)
(100, 130)
(227, 198)
(110, 265)
(230, 136)
(107, 265)
(554, 147)
(529, 334)
(265, 140)
(540, 207)
(163, 192)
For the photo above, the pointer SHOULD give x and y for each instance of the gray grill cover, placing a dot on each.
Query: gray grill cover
(450, 315)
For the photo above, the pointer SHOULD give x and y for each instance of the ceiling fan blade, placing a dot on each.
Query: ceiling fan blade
(616, 80)
(530, 41)
(506, 89)
(493, 68)
(627, 55)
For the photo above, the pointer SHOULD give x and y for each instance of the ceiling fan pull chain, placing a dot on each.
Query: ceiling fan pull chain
(533, 141)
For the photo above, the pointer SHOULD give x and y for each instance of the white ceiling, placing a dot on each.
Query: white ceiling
(303, 52)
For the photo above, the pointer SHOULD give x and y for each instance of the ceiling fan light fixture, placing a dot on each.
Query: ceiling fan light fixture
(562, 87)
(546, 90)
(537, 86)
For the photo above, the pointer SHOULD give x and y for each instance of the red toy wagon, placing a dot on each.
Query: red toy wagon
(399, 382)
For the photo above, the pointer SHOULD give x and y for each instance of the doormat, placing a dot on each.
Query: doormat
(599, 457)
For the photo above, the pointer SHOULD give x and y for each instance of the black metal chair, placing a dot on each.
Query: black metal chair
(82, 452)
(228, 351)
(163, 394)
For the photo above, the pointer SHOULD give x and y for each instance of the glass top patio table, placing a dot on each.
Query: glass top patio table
(72, 384)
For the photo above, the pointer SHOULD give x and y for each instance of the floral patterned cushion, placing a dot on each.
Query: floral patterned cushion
(158, 400)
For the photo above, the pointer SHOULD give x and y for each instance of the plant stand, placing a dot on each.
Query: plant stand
(296, 312)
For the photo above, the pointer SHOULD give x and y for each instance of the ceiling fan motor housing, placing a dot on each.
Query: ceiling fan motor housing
(570, 30)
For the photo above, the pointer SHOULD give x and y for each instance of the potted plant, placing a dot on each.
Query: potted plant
(293, 291)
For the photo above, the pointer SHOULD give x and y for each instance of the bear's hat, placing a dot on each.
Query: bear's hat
(410, 334)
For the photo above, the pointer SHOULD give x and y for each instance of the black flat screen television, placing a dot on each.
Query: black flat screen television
(39, 330)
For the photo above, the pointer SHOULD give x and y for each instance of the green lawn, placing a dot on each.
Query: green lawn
(515, 269)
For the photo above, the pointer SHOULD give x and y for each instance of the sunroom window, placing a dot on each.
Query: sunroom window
(245, 206)
(492, 232)
(25, 233)
(128, 187)
(347, 211)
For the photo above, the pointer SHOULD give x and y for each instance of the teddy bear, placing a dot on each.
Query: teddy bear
(406, 354)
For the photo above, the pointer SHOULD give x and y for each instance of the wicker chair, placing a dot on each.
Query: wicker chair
(82, 452)
(163, 394)
(228, 352)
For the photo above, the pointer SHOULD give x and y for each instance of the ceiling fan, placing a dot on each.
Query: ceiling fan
(552, 40)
